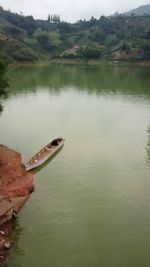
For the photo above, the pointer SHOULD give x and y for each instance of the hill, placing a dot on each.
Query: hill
(140, 11)
(23, 39)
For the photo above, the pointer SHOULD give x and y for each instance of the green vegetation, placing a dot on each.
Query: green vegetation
(140, 11)
(3, 82)
(23, 39)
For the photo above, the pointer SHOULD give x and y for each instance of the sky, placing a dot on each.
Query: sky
(71, 10)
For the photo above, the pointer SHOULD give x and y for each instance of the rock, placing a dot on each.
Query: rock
(7, 245)
(2, 232)
(16, 185)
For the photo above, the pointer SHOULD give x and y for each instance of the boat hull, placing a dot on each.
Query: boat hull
(48, 152)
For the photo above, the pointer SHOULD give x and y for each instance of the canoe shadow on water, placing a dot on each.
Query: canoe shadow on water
(37, 169)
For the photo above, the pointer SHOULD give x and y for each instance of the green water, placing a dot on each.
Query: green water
(91, 205)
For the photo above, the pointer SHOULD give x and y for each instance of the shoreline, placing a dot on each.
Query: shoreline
(16, 186)
(143, 63)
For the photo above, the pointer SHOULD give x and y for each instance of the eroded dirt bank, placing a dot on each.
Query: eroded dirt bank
(16, 185)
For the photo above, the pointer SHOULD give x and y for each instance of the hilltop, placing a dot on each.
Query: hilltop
(23, 39)
(140, 11)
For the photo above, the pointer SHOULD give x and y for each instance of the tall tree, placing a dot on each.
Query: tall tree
(49, 18)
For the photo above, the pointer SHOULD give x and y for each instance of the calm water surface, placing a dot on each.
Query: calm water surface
(91, 205)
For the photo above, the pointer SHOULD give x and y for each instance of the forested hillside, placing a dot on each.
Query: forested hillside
(22, 38)
(140, 11)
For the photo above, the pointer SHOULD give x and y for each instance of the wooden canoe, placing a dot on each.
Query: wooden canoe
(44, 154)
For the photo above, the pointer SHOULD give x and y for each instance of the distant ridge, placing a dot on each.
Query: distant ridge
(140, 11)
(119, 37)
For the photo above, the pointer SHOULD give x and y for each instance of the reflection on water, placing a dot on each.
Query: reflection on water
(1, 107)
(91, 203)
(148, 145)
(3, 85)
(17, 231)
(105, 78)
(2, 96)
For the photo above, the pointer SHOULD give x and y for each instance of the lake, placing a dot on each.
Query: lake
(91, 205)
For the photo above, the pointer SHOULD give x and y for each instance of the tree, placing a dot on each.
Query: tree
(125, 47)
(148, 35)
(145, 47)
(49, 18)
(64, 28)
(53, 18)
(44, 41)
(90, 52)
(56, 18)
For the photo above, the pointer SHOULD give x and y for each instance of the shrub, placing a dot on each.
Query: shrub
(90, 52)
